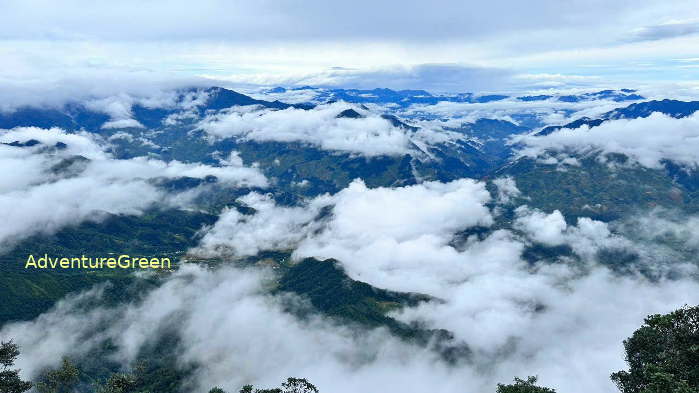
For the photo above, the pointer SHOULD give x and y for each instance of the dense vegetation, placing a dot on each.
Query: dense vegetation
(26, 293)
(524, 386)
(663, 355)
(10, 382)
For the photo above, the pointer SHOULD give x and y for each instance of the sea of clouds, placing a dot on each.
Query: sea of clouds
(44, 188)
(563, 320)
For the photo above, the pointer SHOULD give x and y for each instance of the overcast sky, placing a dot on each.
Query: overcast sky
(443, 45)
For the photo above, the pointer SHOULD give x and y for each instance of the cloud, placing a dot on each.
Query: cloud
(238, 311)
(432, 77)
(238, 21)
(543, 80)
(370, 135)
(553, 320)
(586, 238)
(544, 228)
(579, 333)
(400, 230)
(110, 90)
(646, 141)
(405, 223)
(549, 111)
(45, 187)
(42, 44)
(577, 330)
(506, 189)
(119, 110)
(668, 231)
(271, 227)
(666, 30)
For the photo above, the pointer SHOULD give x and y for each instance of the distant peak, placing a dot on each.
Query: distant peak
(349, 113)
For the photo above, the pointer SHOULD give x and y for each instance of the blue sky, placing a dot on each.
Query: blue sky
(438, 45)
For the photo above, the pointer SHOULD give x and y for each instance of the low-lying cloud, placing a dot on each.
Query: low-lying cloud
(550, 319)
(65, 179)
(369, 135)
(646, 141)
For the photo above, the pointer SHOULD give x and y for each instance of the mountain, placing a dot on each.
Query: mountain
(618, 96)
(407, 98)
(492, 136)
(593, 189)
(481, 149)
(674, 108)
(312, 153)
(77, 115)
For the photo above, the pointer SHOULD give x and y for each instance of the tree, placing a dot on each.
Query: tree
(60, 380)
(298, 385)
(10, 382)
(217, 389)
(663, 355)
(292, 385)
(119, 383)
(522, 386)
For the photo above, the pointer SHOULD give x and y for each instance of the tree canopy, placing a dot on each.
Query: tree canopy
(60, 380)
(10, 381)
(524, 386)
(291, 385)
(663, 355)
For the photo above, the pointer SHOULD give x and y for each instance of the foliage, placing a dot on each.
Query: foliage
(663, 355)
(60, 380)
(10, 382)
(28, 293)
(522, 386)
(333, 293)
(298, 385)
(291, 385)
(119, 383)
(69, 378)
(595, 189)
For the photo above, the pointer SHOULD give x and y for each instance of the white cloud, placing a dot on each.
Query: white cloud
(242, 329)
(236, 21)
(549, 111)
(671, 29)
(122, 123)
(432, 77)
(647, 141)
(119, 110)
(664, 226)
(586, 238)
(507, 189)
(518, 319)
(370, 135)
(109, 91)
(37, 198)
(542, 227)
(404, 223)
(271, 227)
(396, 44)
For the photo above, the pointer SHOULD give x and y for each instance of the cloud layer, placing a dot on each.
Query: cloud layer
(65, 179)
(558, 320)
(323, 127)
(646, 141)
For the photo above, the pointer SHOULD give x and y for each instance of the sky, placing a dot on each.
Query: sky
(442, 45)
